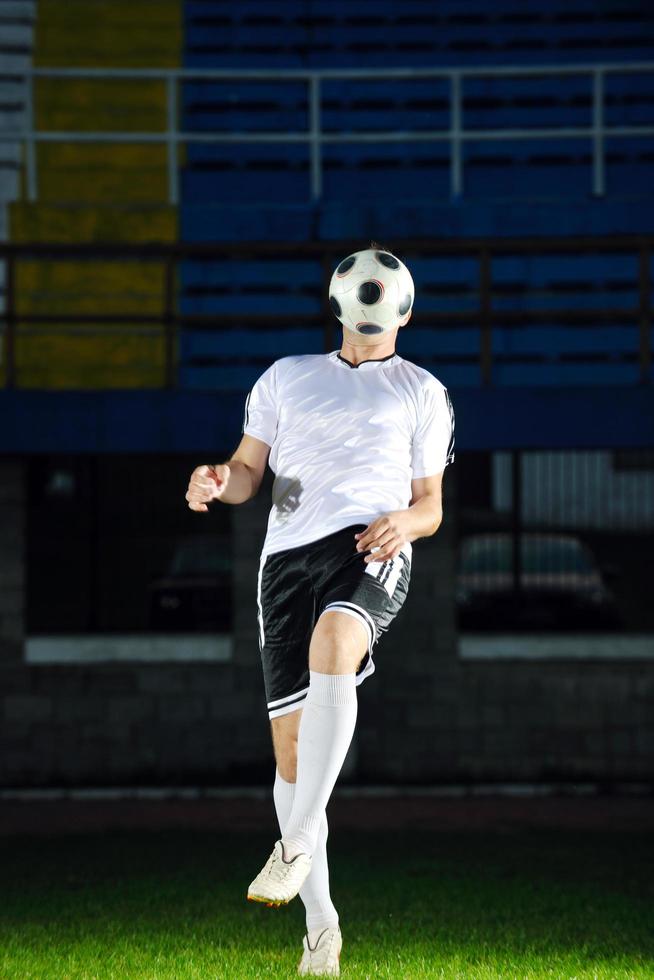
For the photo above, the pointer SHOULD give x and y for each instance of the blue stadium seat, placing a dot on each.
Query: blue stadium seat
(240, 287)
(245, 105)
(424, 343)
(629, 99)
(573, 374)
(236, 272)
(231, 377)
(203, 222)
(551, 343)
(563, 267)
(224, 345)
(332, 33)
(244, 185)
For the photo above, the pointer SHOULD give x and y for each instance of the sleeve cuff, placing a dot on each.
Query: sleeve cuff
(256, 434)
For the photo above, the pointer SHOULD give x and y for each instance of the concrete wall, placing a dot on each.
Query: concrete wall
(424, 716)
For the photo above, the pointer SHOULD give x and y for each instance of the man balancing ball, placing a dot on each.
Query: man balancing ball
(358, 440)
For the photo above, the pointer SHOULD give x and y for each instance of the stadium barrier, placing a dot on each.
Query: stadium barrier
(315, 136)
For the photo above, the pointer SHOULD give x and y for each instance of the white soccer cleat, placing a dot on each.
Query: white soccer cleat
(279, 881)
(324, 959)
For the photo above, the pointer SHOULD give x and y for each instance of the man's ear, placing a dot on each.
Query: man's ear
(406, 319)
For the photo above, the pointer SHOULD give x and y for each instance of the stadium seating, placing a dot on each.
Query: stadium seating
(328, 33)
(416, 33)
(387, 191)
(373, 190)
(543, 308)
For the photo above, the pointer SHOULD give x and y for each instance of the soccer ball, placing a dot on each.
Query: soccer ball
(371, 292)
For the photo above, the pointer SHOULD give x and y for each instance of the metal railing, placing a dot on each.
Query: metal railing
(315, 136)
(478, 307)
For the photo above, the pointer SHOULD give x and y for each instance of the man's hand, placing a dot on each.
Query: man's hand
(207, 483)
(385, 536)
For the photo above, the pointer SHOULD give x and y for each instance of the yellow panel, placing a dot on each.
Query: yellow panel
(97, 362)
(89, 287)
(102, 193)
(79, 223)
(108, 33)
(96, 174)
(93, 104)
(104, 33)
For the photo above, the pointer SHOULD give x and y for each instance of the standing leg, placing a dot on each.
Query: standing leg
(338, 644)
(320, 910)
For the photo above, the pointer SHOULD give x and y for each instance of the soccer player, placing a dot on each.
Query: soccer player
(358, 440)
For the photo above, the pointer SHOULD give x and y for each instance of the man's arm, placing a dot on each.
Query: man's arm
(233, 482)
(426, 505)
(422, 518)
(246, 469)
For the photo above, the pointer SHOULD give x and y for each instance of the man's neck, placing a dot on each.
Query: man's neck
(358, 353)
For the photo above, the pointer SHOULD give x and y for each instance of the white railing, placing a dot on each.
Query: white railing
(314, 135)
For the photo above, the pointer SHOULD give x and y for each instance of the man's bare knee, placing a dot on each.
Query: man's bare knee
(284, 735)
(338, 644)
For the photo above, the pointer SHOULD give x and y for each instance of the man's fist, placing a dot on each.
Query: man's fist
(207, 483)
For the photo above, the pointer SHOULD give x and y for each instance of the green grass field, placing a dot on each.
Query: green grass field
(171, 904)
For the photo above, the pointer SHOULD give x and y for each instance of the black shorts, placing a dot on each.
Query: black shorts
(297, 585)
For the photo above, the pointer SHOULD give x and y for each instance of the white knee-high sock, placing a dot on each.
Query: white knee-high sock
(320, 911)
(326, 728)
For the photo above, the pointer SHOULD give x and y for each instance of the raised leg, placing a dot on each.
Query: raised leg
(338, 645)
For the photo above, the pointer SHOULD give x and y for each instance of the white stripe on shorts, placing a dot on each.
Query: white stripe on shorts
(387, 573)
(289, 697)
(286, 709)
(351, 609)
(393, 576)
(262, 562)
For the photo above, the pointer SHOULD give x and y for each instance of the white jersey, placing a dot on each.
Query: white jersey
(345, 441)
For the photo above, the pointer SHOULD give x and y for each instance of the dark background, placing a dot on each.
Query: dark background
(144, 289)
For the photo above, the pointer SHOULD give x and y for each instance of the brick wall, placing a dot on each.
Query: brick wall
(424, 716)
(12, 559)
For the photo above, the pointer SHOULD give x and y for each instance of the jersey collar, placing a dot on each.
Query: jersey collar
(368, 365)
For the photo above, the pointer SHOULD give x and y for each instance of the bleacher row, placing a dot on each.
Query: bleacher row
(386, 191)
(337, 33)
(444, 284)
(534, 171)
(546, 348)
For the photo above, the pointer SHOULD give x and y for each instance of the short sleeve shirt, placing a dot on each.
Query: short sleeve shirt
(345, 441)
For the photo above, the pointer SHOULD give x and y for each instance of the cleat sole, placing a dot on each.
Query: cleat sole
(266, 901)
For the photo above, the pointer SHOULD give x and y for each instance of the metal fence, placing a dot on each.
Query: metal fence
(479, 311)
(455, 136)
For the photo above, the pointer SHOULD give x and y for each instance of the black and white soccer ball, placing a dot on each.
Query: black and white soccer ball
(371, 292)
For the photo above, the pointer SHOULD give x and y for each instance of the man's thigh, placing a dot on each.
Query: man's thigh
(322, 606)
(369, 593)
